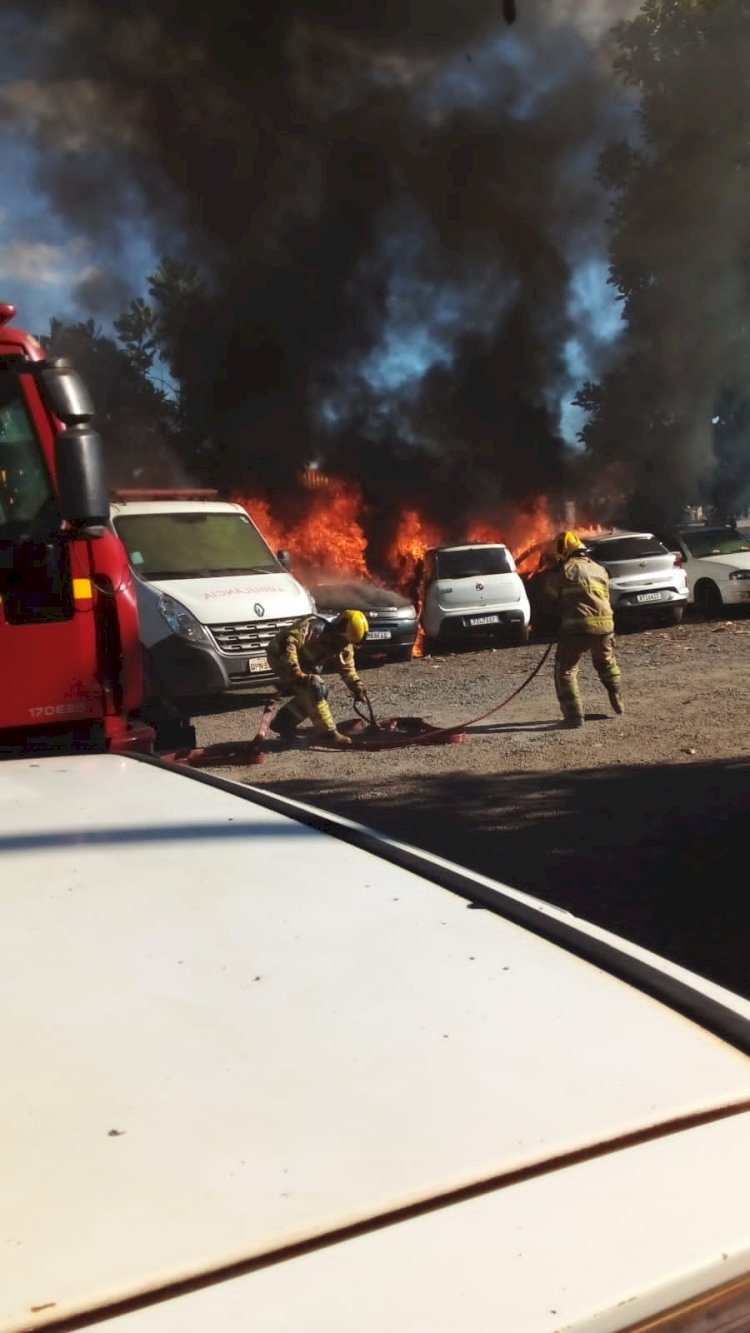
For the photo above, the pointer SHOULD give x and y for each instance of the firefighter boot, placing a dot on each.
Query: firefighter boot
(615, 698)
(325, 727)
(335, 740)
(572, 721)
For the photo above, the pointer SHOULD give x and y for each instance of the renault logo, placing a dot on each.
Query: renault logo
(259, 610)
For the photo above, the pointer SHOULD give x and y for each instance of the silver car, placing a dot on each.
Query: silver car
(646, 579)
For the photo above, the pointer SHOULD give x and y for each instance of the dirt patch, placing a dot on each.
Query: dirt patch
(637, 822)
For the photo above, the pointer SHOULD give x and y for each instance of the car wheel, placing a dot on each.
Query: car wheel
(708, 598)
(403, 654)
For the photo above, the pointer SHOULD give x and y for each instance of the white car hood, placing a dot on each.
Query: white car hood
(739, 561)
(225, 1032)
(237, 597)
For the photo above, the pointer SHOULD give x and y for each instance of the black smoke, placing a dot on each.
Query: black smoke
(352, 180)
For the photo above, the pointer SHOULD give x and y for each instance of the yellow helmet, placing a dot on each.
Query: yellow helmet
(351, 625)
(567, 544)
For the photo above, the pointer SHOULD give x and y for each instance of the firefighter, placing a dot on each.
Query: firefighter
(580, 589)
(297, 655)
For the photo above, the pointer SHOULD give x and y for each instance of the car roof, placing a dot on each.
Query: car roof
(468, 546)
(120, 508)
(707, 527)
(613, 534)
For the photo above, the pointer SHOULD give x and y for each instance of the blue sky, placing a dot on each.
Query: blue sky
(41, 262)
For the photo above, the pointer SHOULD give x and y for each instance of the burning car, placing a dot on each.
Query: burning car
(391, 616)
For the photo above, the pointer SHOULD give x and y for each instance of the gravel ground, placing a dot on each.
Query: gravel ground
(637, 822)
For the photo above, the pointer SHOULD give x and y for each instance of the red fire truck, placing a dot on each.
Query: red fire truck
(71, 658)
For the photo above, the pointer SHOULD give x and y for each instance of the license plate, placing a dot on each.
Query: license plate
(484, 620)
(257, 664)
(378, 634)
(648, 597)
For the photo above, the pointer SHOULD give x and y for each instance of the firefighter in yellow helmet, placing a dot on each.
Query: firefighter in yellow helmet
(299, 654)
(580, 589)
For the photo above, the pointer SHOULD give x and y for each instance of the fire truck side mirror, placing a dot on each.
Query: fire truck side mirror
(65, 392)
(81, 477)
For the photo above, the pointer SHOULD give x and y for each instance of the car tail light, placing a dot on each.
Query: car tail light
(677, 559)
(724, 1309)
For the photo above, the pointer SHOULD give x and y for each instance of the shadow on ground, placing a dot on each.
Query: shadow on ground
(657, 854)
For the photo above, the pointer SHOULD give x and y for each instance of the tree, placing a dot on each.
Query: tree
(170, 342)
(677, 406)
(133, 415)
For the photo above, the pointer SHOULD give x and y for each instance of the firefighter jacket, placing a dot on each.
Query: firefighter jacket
(581, 589)
(304, 648)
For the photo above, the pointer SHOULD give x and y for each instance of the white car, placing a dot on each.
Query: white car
(473, 592)
(646, 579)
(717, 564)
(263, 1069)
(211, 593)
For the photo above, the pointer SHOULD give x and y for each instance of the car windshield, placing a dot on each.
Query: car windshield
(187, 545)
(472, 561)
(716, 541)
(627, 548)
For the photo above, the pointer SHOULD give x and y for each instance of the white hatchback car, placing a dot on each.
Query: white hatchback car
(473, 591)
(717, 564)
(646, 578)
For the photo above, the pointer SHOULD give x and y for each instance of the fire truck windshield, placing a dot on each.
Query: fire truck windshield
(27, 501)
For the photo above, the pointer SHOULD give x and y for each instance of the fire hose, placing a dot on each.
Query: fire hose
(427, 735)
(390, 733)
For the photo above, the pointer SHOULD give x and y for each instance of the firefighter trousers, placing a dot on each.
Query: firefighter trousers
(309, 699)
(570, 649)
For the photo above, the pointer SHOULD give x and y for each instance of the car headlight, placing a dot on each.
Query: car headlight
(406, 613)
(180, 620)
(740, 574)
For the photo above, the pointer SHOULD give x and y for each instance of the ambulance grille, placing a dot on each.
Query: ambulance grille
(246, 636)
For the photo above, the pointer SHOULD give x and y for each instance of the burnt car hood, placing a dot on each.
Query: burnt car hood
(357, 595)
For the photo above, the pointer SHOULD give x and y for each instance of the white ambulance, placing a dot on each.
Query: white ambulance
(211, 593)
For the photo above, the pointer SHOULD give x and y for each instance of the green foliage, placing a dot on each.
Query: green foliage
(679, 253)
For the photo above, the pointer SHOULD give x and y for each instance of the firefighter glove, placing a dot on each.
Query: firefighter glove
(360, 694)
(317, 688)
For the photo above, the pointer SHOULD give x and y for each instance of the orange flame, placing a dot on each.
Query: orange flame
(329, 536)
(260, 513)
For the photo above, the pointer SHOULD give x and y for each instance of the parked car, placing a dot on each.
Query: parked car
(646, 580)
(717, 563)
(211, 593)
(473, 591)
(391, 616)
